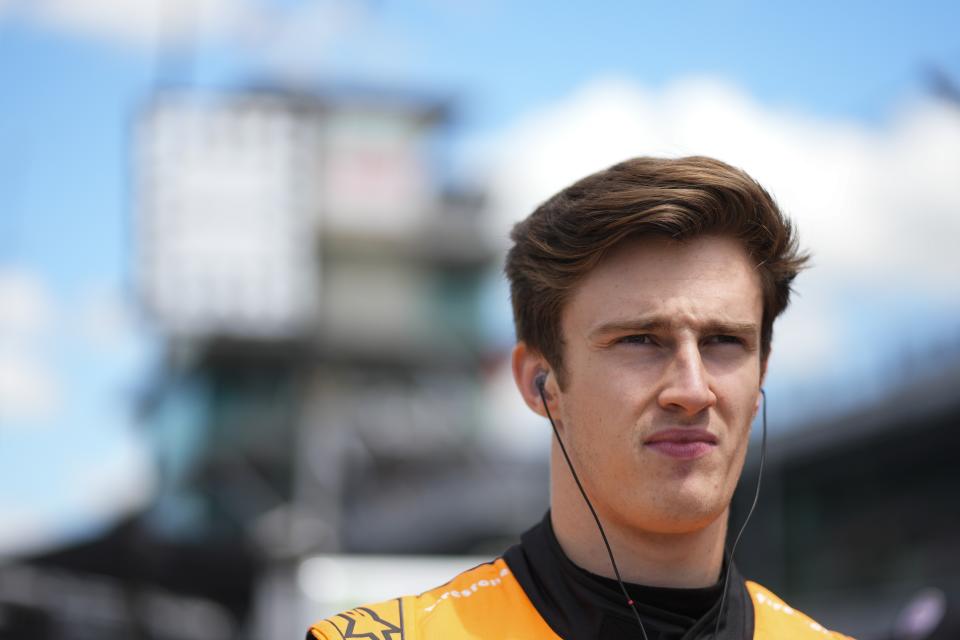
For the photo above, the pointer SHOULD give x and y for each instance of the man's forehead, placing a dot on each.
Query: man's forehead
(708, 280)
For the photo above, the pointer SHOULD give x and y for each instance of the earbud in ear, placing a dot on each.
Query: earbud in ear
(541, 381)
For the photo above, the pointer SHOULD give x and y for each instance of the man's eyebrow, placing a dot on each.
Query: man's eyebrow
(661, 324)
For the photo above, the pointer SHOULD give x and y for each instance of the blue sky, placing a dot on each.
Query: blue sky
(852, 59)
(74, 72)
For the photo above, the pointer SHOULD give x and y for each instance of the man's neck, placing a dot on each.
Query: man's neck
(681, 560)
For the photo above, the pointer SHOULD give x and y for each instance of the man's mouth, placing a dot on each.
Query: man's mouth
(683, 444)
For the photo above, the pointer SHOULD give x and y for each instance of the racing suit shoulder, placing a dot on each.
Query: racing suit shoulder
(483, 602)
(380, 620)
(774, 618)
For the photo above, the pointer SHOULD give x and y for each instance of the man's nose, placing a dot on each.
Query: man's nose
(686, 386)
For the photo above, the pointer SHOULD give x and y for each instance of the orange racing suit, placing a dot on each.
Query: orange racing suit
(534, 592)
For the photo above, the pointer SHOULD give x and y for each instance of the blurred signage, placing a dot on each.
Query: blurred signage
(376, 179)
(228, 207)
(232, 194)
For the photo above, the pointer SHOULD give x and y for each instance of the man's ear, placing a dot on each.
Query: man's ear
(529, 367)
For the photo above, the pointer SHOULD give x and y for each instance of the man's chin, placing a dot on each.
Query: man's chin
(684, 515)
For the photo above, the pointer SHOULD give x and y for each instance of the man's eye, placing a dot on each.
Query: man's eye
(642, 338)
(721, 339)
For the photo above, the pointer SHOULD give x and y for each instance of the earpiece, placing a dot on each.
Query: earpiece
(541, 381)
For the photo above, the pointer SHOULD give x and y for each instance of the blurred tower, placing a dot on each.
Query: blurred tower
(317, 288)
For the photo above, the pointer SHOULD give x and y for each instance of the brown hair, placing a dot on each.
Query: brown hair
(566, 236)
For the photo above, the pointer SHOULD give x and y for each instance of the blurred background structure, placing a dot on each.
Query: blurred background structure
(254, 336)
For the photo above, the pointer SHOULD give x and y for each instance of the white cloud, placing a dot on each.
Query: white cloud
(24, 529)
(107, 322)
(294, 42)
(117, 481)
(26, 307)
(808, 334)
(298, 43)
(61, 362)
(29, 388)
(88, 493)
(864, 199)
(144, 22)
(29, 391)
(878, 207)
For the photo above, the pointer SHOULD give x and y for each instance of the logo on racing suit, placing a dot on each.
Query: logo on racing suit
(364, 622)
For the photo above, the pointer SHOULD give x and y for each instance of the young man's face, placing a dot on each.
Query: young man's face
(663, 371)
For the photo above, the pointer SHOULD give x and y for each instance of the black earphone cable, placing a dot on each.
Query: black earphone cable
(616, 570)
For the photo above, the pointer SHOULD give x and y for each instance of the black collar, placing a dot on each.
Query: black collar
(579, 605)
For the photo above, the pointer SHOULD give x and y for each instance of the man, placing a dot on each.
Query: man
(644, 298)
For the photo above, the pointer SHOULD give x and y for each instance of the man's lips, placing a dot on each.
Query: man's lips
(682, 436)
(684, 444)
